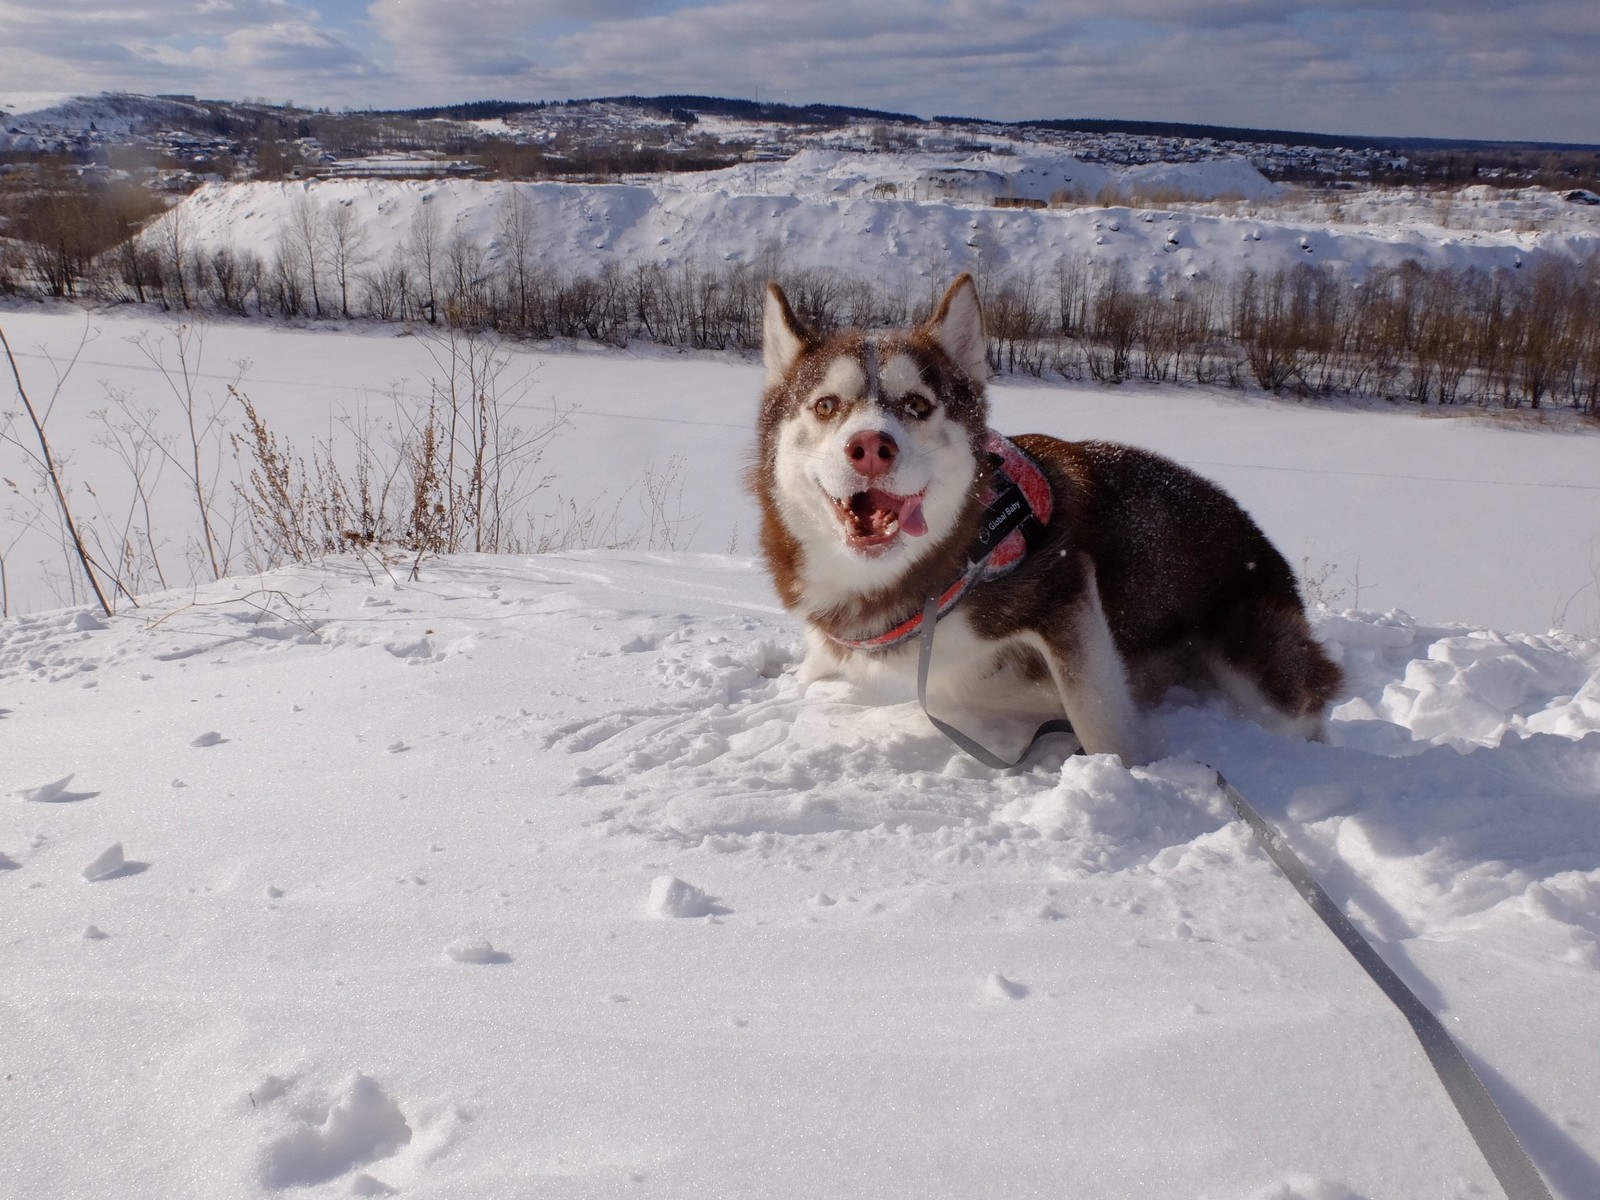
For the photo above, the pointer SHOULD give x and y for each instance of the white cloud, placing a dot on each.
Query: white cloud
(1432, 67)
(224, 48)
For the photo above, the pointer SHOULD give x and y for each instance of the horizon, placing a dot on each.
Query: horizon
(1414, 71)
(18, 103)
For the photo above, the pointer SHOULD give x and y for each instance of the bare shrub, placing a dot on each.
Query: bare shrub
(1271, 322)
(229, 279)
(1018, 322)
(197, 457)
(386, 293)
(284, 284)
(1113, 325)
(455, 473)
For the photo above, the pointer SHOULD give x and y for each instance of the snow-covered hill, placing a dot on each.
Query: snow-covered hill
(37, 122)
(1016, 171)
(903, 221)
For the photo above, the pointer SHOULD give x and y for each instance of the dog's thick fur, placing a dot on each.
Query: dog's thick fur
(871, 477)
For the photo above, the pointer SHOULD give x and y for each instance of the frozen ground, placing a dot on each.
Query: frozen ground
(1461, 518)
(537, 877)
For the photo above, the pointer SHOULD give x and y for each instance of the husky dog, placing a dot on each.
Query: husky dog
(1083, 577)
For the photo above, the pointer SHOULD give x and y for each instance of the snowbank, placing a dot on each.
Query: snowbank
(742, 217)
(917, 976)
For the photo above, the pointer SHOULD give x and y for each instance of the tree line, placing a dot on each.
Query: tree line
(1440, 335)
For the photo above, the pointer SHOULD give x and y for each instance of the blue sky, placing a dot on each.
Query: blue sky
(1441, 68)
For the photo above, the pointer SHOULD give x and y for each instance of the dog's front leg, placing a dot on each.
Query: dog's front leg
(822, 660)
(1092, 678)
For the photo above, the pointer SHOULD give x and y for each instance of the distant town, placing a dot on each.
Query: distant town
(172, 144)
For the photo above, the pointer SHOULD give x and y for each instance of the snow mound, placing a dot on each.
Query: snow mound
(672, 897)
(836, 210)
(477, 951)
(54, 792)
(108, 864)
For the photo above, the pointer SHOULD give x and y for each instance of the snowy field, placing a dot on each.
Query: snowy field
(1468, 518)
(537, 877)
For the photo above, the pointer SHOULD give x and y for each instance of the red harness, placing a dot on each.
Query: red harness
(1017, 508)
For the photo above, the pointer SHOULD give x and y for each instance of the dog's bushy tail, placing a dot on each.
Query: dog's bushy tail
(1272, 642)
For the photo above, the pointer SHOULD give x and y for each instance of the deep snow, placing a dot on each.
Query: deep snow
(538, 877)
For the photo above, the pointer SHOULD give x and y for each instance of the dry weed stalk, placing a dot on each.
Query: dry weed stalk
(45, 459)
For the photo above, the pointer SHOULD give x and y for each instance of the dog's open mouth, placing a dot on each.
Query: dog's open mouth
(873, 520)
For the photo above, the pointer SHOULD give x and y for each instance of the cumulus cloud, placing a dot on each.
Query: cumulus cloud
(1433, 67)
(221, 48)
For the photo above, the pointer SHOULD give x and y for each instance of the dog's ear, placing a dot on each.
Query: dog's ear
(782, 336)
(958, 328)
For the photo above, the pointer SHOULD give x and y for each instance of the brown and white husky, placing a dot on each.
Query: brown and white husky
(1078, 577)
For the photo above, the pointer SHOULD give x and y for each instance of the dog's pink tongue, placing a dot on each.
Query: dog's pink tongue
(911, 519)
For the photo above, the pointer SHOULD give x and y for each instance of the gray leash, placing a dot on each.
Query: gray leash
(1504, 1153)
(1484, 1120)
(930, 618)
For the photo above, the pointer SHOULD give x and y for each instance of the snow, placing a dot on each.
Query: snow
(885, 970)
(34, 120)
(22, 104)
(898, 216)
(911, 220)
(670, 897)
(538, 875)
(1461, 519)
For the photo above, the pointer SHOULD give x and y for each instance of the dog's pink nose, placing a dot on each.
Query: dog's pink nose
(871, 453)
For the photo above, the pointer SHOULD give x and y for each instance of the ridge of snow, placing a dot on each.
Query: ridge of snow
(898, 242)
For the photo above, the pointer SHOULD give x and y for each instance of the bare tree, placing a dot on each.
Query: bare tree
(176, 247)
(467, 301)
(308, 235)
(516, 249)
(1113, 324)
(424, 245)
(347, 242)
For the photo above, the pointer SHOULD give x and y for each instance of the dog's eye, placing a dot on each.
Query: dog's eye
(919, 406)
(826, 406)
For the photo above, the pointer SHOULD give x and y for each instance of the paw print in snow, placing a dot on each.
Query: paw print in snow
(361, 1127)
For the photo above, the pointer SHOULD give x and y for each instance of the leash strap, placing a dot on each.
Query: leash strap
(1489, 1128)
(1484, 1120)
(930, 618)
